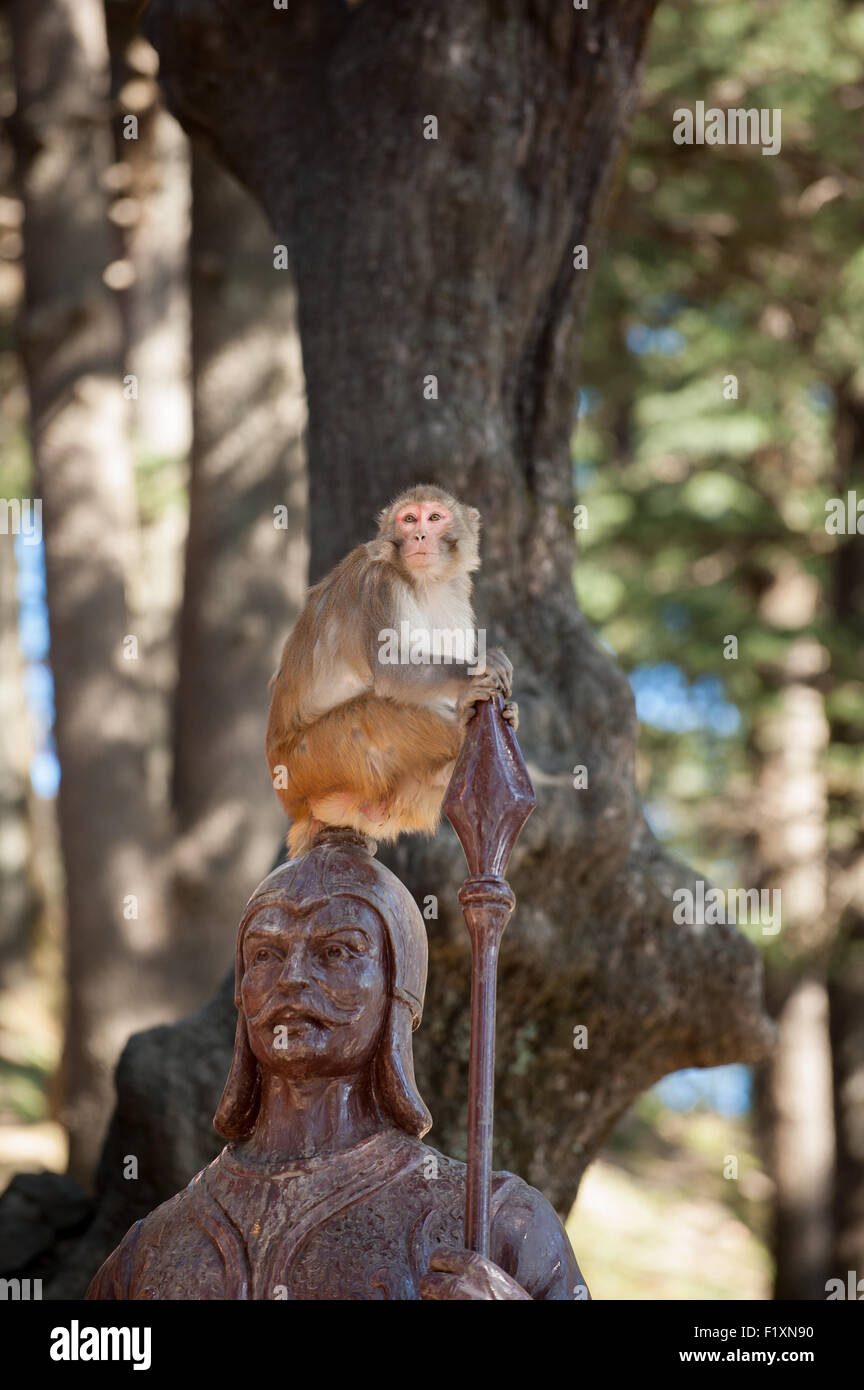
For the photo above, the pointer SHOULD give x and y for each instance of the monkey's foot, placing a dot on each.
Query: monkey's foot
(345, 836)
(346, 809)
(335, 809)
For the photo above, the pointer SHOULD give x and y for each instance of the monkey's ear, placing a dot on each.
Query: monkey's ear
(474, 516)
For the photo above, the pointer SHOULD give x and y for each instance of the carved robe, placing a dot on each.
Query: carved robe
(360, 1224)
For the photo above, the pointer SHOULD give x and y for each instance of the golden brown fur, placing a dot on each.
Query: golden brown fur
(351, 741)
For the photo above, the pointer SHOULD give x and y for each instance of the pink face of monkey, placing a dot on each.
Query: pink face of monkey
(422, 526)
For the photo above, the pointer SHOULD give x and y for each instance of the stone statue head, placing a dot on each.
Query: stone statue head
(373, 1012)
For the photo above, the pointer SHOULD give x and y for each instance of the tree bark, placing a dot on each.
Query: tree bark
(454, 257)
(72, 346)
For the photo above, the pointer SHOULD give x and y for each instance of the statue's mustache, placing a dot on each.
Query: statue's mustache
(326, 1011)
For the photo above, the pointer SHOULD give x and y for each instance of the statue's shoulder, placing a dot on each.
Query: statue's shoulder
(528, 1239)
(163, 1221)
(517, 1205)
(432, 1165)
(512, 1200)
(131, 1270)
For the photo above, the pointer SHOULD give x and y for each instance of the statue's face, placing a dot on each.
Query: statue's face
(314, 987)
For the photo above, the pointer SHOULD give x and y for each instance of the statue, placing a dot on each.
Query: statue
(325, 1189)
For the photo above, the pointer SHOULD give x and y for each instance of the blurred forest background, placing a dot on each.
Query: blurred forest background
(705, 520)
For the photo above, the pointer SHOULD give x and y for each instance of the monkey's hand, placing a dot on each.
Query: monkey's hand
(511, 714)
(499, 666)
(478, 689)
(496, 679)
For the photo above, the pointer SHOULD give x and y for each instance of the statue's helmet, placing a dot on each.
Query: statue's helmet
(340, 865)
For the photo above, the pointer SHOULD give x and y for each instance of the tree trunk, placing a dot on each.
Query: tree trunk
(846, 974)
(801, 1143)
(150, 205)
(796, 1104)
(846, 995)
(150, 189)
(245, 569)
(72, 345)
(454, 258)
(19, 895)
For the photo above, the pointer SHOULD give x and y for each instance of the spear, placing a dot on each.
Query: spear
(488, 801)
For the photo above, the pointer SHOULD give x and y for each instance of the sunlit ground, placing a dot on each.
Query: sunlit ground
(656, 1219)
(29, 1053)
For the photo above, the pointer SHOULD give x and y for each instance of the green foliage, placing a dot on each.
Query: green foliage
(707, 511)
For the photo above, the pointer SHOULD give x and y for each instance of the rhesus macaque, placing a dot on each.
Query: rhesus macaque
(364, 725)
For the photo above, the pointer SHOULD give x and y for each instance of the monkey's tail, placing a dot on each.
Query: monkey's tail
(301, 836)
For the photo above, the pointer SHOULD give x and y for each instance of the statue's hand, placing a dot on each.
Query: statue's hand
(460, 1274)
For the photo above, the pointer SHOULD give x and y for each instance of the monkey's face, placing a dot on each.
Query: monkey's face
(434, 537)
(423, 528)
(314, 989)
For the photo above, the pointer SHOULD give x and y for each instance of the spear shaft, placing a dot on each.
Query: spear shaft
(489, 798)
(487, 904)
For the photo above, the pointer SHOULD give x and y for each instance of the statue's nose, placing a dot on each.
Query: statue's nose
(295, 970)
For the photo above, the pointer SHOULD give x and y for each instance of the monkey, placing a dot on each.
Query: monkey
(363, 732)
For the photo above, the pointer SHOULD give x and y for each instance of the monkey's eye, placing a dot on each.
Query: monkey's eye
(409, 519)
(436, 516)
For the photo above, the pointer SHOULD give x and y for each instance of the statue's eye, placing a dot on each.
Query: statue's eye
(334, 951)
(261, 955)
